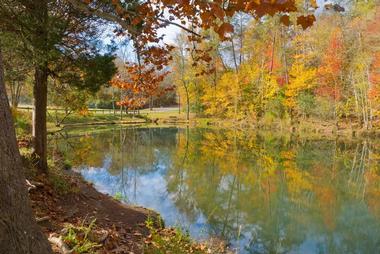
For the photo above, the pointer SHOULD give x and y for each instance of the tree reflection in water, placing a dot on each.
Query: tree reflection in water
(262, 193)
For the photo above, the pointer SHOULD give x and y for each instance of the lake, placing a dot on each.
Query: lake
(261, 193)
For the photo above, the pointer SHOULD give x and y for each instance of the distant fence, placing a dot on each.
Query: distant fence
(106, 110)
(92, 110)
(96, 110)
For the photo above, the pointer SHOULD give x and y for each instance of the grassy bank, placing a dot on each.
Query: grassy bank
(57, 119)
(307, 127)
(303, 128)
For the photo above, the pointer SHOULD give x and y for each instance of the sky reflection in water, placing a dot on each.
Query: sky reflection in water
(262, 194)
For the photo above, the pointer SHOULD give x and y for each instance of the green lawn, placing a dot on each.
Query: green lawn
(24, 117)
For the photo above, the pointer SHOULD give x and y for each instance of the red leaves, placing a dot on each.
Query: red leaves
(218, 12)
(331, 68)
(251, 5)
(136, 21)
(306, 21)
(374, 77)
(224, 29)
(270, 7)
(372, 34)
(141, 83)
(285, 20)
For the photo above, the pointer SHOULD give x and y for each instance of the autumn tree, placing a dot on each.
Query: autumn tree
(139, 85)
(181, 69)
(301, 82)
(330, 71)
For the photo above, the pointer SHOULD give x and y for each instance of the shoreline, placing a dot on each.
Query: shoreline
(113, 226)
(124, 226)
(308, 130)
(305, 128)
(311, 127)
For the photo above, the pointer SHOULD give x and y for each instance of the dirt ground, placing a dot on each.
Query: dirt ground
(125, 225)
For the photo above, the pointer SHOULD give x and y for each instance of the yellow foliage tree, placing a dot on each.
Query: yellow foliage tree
(301, 79)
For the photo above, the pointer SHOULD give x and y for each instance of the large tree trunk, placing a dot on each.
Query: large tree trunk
(39, 116)
(19, 232)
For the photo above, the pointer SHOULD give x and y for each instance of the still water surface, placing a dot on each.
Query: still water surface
(262, 194)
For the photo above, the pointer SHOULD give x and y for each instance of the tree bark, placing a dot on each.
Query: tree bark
(39, 11)
(187, 101)
(19, 232)
(39, 116)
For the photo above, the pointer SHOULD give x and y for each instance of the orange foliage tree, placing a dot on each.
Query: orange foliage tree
(331, 67)
(373, 35)
(139, 85)
(330, 70)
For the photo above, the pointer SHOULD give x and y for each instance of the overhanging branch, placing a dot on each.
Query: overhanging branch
(79, 5)
(116, 19)
(180, 26)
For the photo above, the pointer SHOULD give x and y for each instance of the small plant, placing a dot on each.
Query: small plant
(149, 223)
(67, 165)
(22, 121)
(170, 240)
(59, 183)
(120, 197)
(77, 238)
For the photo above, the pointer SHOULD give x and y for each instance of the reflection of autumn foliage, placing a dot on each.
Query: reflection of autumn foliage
(325, 194)
(221, 164)
(326, 197)
(240, 181)
(373, 192)
(372, 181)
(298, 181)
(85, 151)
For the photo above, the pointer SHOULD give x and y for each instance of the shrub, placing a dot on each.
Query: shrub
(77, 238)
(22, 121)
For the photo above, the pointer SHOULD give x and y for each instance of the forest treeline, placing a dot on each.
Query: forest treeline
(271, 73)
